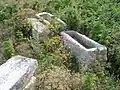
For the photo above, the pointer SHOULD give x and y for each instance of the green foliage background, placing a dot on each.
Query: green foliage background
(97, 19)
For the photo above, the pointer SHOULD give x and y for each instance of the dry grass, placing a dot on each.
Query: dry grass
(58, 79)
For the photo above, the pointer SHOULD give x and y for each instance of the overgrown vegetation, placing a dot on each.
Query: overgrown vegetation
(8, 49)
(98, 19)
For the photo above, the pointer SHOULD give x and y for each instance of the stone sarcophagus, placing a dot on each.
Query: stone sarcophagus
(41, 23)
(82, 48)
(18, 74)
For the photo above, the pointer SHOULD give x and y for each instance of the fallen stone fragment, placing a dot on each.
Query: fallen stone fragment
(48, 17)
(39, 31)
(41, 25)
(17, 72)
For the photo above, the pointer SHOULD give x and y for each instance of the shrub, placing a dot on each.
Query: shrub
(6, 12)
(92, 81)
(56, 78)
(50, 52)
(22, 28)
(24, 49)
(8, 49)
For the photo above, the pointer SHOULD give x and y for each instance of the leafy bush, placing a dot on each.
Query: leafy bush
(24, 49)
(8, 49)
(56, 78)
(6, 12)
(22, 28)
(92, 81)
(60, 78)
(50, 52)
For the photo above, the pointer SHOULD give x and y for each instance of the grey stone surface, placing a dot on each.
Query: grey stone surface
(16, 73)
(40, 25)
(39, 31)
(84, 49)
(48, 17)
(31, 85)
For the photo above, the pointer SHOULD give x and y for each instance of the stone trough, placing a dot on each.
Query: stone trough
(40, 25)
(18, 74)
(83, 49)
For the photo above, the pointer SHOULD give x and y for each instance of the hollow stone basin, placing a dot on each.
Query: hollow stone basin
(83, 48)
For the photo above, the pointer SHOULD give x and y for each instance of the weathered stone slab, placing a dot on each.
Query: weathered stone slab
(84, 49)
(31, 85)
(39, 31)
(47, 17)
(16, 73)
(40, 25)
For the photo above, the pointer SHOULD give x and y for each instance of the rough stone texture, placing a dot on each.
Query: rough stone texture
(31, 85)
(47, 17)
(84, 49)
(40, 25)
(16, 73)
(39, 29)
